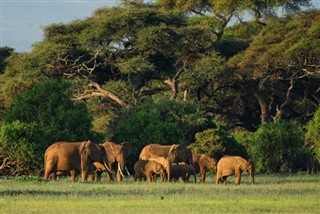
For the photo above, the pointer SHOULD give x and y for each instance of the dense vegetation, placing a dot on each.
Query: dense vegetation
(170, 72)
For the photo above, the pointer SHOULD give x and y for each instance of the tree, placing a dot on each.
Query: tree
(220, 13)
(5, 52)
(281, 68)
(48, 104)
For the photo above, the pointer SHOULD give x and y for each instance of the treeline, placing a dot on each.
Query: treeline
(170, 72)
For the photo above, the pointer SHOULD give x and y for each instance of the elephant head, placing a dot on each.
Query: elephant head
(117, 153)
(179, 153)
(248, 166)
(95, 154)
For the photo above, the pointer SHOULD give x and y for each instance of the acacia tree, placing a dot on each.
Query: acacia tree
(281, 67)
(219, 13)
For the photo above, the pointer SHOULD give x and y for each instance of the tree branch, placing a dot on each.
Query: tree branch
(98, 91)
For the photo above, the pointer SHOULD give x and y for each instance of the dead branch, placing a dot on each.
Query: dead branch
(279, 109)
(97, 91)
(4, 164)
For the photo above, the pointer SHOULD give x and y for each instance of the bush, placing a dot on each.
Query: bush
(48, 104)
(217, 142)
(278, 147)
(23, 145)
(313, 135)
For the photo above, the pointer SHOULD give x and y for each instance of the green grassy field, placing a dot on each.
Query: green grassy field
(276, 194)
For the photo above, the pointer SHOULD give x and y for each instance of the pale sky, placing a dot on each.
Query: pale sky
(21, 20)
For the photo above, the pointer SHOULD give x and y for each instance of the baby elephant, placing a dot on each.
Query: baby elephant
(182, 170)
(148, 170)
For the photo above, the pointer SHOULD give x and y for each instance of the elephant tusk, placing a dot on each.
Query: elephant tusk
(107, 167)
(127, 171)
(120, 170)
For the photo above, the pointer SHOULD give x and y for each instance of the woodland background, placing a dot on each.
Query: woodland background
(222, 77)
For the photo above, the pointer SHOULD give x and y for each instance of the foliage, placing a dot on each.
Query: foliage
(5, 52)
(278, 147)
(217, 142)
(160, 121)
(278, 71)
(56, 113)
(313, 134)
(52, 116)
(23, 144)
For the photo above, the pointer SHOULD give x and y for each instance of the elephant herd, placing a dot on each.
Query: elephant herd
(169, 162)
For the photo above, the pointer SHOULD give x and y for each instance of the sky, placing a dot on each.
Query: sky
(21, 21)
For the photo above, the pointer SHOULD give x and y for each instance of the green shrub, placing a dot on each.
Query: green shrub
(278, 147)
(23, 144)
(313, 134)
(49, 105)
(217, 142)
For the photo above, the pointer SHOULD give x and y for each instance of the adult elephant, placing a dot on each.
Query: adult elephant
(202, 163)
(173, 153)
(117, 154)
(73, 156)
(233, 165)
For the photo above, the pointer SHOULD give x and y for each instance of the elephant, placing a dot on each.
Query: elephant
(233, 165)
(152, 169)
(202, 163)
(116, 153)
(139, 170)
(73, 156)
(182, 170)
(166, 164)
(148, 169)
(173, 153)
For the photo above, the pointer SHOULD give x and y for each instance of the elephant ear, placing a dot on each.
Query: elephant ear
(127, 148)
(173, 148)
(172, 152)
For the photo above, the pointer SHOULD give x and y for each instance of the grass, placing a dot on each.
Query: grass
(276, 194)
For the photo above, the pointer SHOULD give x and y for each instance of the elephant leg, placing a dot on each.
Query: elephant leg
(218, 178)
(99, 174)
(84, 175)
(49, 170)
(109, 176)
(91, 177)
(238, 177)
(73, 175)
(204, 176)
(224, 180)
